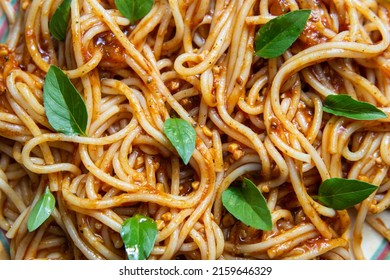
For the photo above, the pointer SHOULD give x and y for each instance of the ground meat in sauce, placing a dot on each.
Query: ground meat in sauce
(7, 63)
(113, 51)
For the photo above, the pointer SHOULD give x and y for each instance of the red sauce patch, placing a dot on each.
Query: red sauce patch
(113, 52)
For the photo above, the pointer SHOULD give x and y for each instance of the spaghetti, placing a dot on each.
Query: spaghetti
(257, 118)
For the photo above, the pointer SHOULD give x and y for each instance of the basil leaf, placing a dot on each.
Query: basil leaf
(277, 35)
(247, 204)
(340, 193)
(134, 9)
(139, 234)
(345, 106)
(182, 136)
(41, 210)
(59, 20)
(65, 108)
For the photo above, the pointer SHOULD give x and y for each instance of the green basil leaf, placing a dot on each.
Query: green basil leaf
(134, 9)
(139, 234)
(59, 20)
(247, 204)
(277, 35)
(340, 193)
(65, 108)
(345, 106)
(182, 136)
(41, 210)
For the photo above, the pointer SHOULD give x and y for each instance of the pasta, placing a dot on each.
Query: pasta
(254, 118)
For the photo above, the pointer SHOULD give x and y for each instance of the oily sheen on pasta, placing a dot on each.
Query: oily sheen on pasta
(255, 118)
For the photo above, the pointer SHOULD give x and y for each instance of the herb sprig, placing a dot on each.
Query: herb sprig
(277, 35)
(138, 234)
(134, 9)
(41, 210)
(64, 106)
(58, 23)
(345, 106)
(182, 136)
(341, 193)
(247, 204)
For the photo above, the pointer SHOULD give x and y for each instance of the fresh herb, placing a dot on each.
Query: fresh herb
(247, 204)
(41, 210)
(134, 9)
(65, 108)
(277, 35)
(138, 234)
(340, 193)
(345, 106)
(59, 20)
(182, 136)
